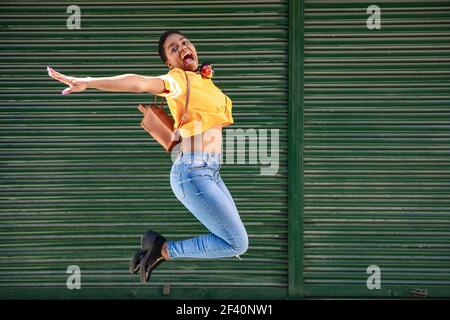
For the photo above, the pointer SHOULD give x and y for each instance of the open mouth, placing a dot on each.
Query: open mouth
(187, 58)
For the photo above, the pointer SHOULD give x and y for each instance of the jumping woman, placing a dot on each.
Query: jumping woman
(195, 174)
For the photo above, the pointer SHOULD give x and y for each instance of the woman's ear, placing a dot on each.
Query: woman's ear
(168, 64)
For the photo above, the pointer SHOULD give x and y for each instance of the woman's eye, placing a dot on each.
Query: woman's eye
(174, 49)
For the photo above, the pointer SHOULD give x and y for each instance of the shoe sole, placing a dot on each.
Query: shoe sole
(135, 261)
(144, 272)
(146, 265)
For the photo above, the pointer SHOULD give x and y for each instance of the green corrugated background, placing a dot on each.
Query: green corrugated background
(376, 148)
(81, 181)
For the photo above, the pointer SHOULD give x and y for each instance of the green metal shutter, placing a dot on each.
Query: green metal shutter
(376, 148)
(81, 181)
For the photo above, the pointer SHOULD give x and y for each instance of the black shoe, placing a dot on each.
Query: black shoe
(148, 238)
(149, 256)
(152, 243)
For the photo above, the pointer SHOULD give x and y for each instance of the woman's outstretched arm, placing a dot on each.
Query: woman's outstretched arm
(122, 83)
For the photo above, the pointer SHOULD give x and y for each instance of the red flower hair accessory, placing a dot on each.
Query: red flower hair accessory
(207, 70)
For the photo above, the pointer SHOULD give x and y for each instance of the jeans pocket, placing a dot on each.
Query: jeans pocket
(197, 165)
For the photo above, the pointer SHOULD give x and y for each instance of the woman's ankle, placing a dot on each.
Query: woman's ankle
(165, 251)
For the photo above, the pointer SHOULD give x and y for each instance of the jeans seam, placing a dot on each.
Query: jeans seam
(176, 174)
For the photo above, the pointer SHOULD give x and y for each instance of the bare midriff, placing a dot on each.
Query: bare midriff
(208, 141)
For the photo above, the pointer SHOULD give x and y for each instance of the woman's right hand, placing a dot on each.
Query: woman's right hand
(75, 84)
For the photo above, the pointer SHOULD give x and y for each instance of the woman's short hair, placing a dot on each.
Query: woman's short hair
(162, 40)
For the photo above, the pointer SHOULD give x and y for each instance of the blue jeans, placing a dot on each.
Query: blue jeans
(195, 180)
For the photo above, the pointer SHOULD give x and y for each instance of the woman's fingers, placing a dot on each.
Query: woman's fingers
(66, 91)
(58, 76)
(61, 78)
(74, 84)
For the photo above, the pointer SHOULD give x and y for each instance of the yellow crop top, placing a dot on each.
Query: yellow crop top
(208, 105)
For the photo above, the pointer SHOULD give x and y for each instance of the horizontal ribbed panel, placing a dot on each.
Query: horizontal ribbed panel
(81, 181)
(376, 148)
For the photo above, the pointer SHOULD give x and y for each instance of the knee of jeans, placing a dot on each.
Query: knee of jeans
(240, 244)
